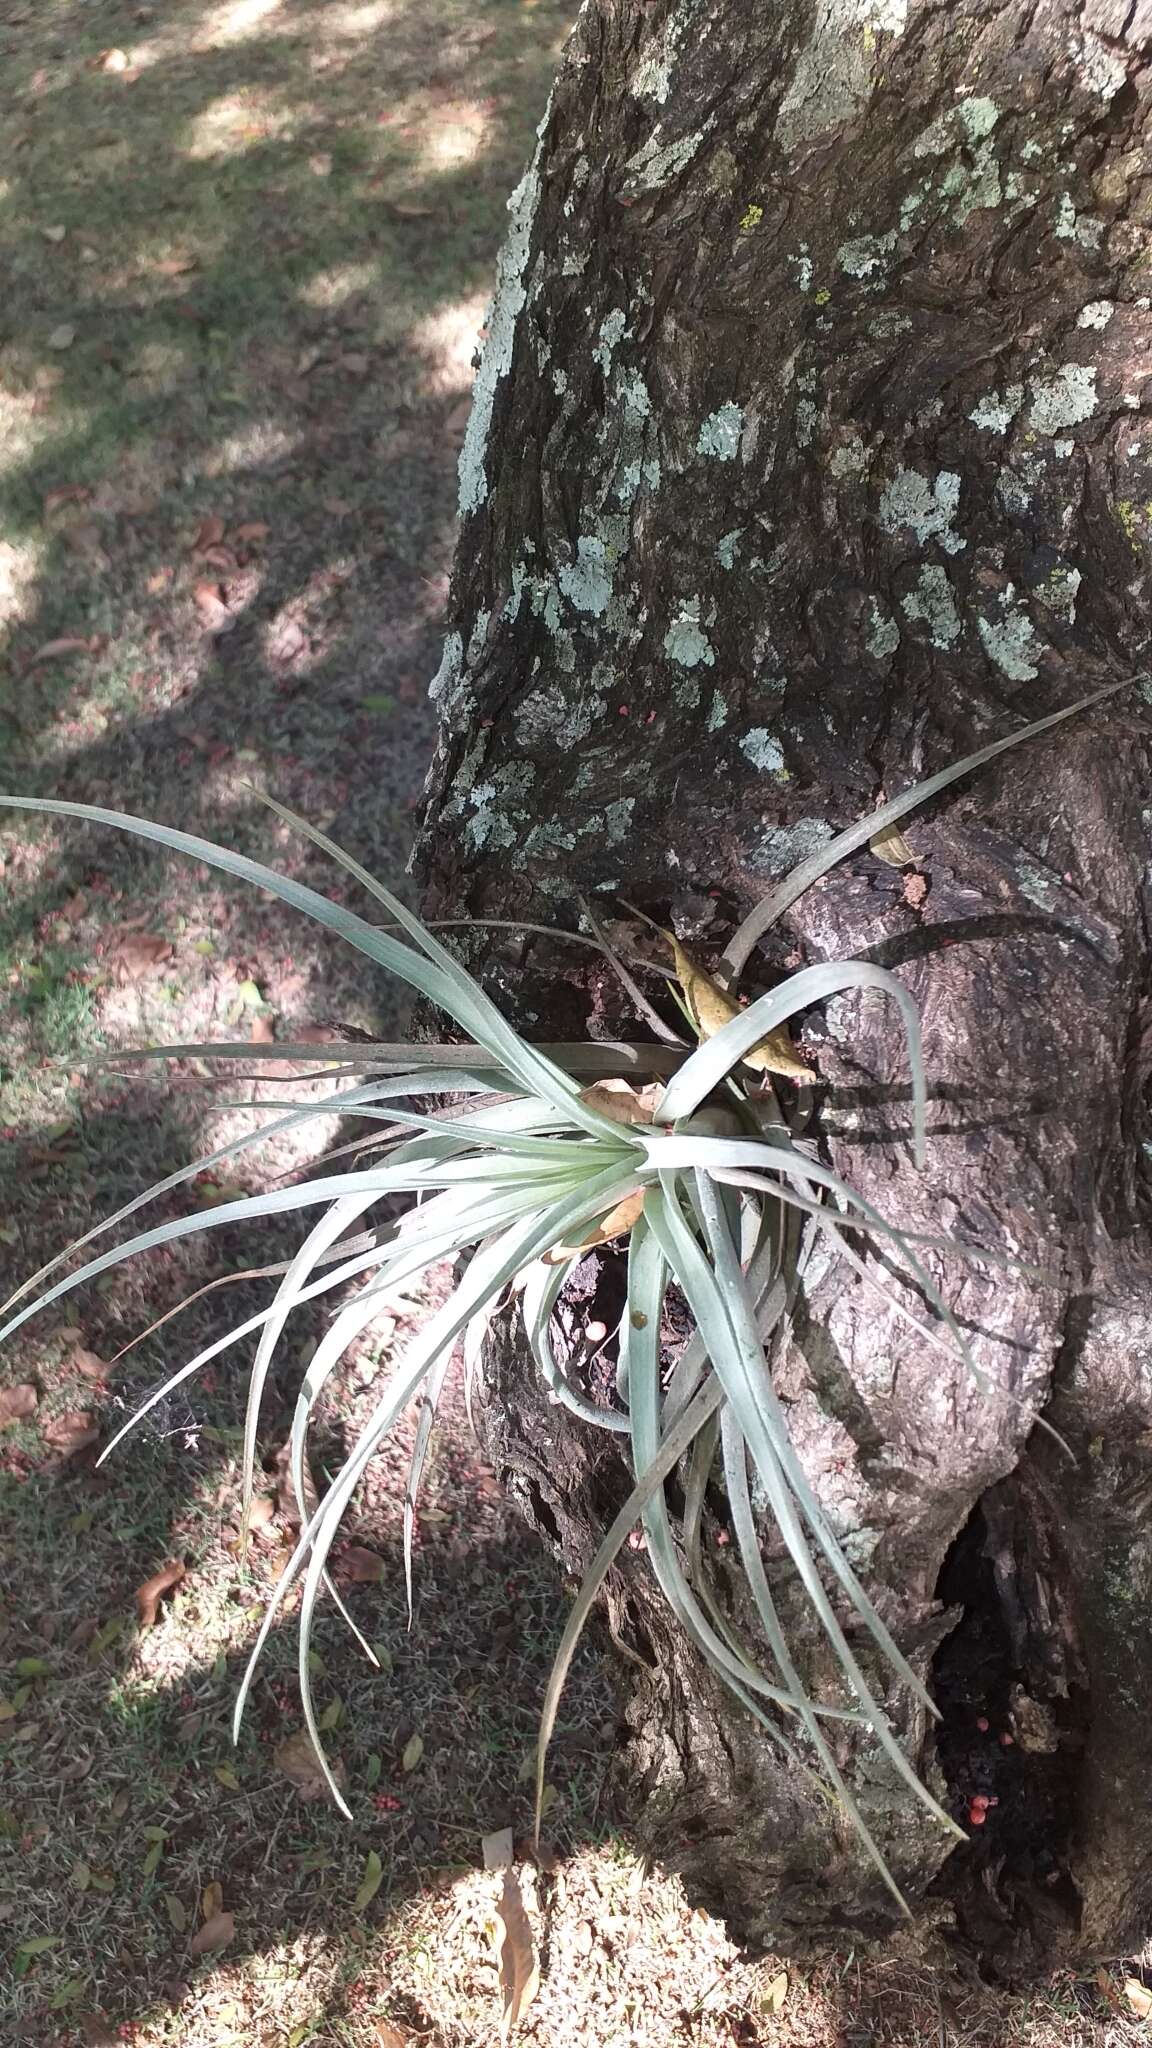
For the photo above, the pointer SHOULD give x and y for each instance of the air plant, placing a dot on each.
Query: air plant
(521, 1157)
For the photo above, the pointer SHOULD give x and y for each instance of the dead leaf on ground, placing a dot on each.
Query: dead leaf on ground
(386, 2035)
(137, 952)
(70, 1433)
(85, 538)
(53, 649)
(62, 337)
(253, 530)
(65, 494)
(262, 1031)
(891, 847)
(353, 363)
(87, 1362)
(17, 1403)
(516, 1955)
(408, 209)
(361, 1567)
(413, 1751)
(211, 1900)
(208, 534)
(297, 1758)
(54, 234)
(216, 614)
(215, 1934)
(370, 1883)
(775, 1993)
(175, 266)
(1139, 1997)
(150, 1594)
(96, 2032)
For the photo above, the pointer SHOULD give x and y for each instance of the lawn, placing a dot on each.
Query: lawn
(246, 249)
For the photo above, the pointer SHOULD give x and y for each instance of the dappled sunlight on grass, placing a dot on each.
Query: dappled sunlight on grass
(333, 287)
(458, 140)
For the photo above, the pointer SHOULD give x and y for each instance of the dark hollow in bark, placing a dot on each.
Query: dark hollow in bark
(808, 453)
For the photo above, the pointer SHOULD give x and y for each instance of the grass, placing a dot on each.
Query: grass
(365, 152)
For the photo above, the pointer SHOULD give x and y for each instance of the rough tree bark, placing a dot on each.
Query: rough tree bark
(808, 453)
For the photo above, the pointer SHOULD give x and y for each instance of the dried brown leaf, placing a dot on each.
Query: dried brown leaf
(70, 1433)
(361, 1567)
(297, 1758)
(250, 532)
(65, 494)
(516, 1955)
(775, 1993)
(892, 848)
(215, 1934)
(87, 1362)
(175, 266)
(17, 1403)
(1139, 1997)
(137, 952)
(263, 1031)
(53, 649)
(150, 1594)
(216, 614)
(209, 533)
(211, 1900)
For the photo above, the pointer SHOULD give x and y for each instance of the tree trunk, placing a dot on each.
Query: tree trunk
(807, 454)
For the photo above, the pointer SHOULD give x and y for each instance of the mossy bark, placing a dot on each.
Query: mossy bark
(809, 453)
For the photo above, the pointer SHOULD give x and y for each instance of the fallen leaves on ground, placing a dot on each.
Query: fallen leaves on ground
(892, 848)
(775, 1993)
(413, 1751)
(250, 532)
(150, 1594)
(516, 1954)
(263, 1031)
(89, 1363)
(138, 952)
(360, 1567)
(70, 1433)
(296, 1757)
(211, 1900)
(61, 337)
(215, 1934)
(370, 1882)
(208, 534)
(65, 494)
(175, 266)
(52, 650)
(16, 1403)
(216, 614)
(1139, 1997)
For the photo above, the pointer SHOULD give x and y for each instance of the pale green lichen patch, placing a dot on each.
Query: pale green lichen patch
(786, 846)
(684, 642)
(656, 162)
(550, 717)
(618, 820)
(1009, 638)
(587, 582)
(652, 78)
(613, 329)
(507, 304)
(1064, 399)
(717, 712)
(764, 752)
(977, 117)
(865, 256)
(448, 682)
(1097, 313)
(1059, 590)
(996, 414)
(726, 547)
(882, 634)
(926, 505)
(720, 433)
(1070, 226)
(931, 604)
(850, 458)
